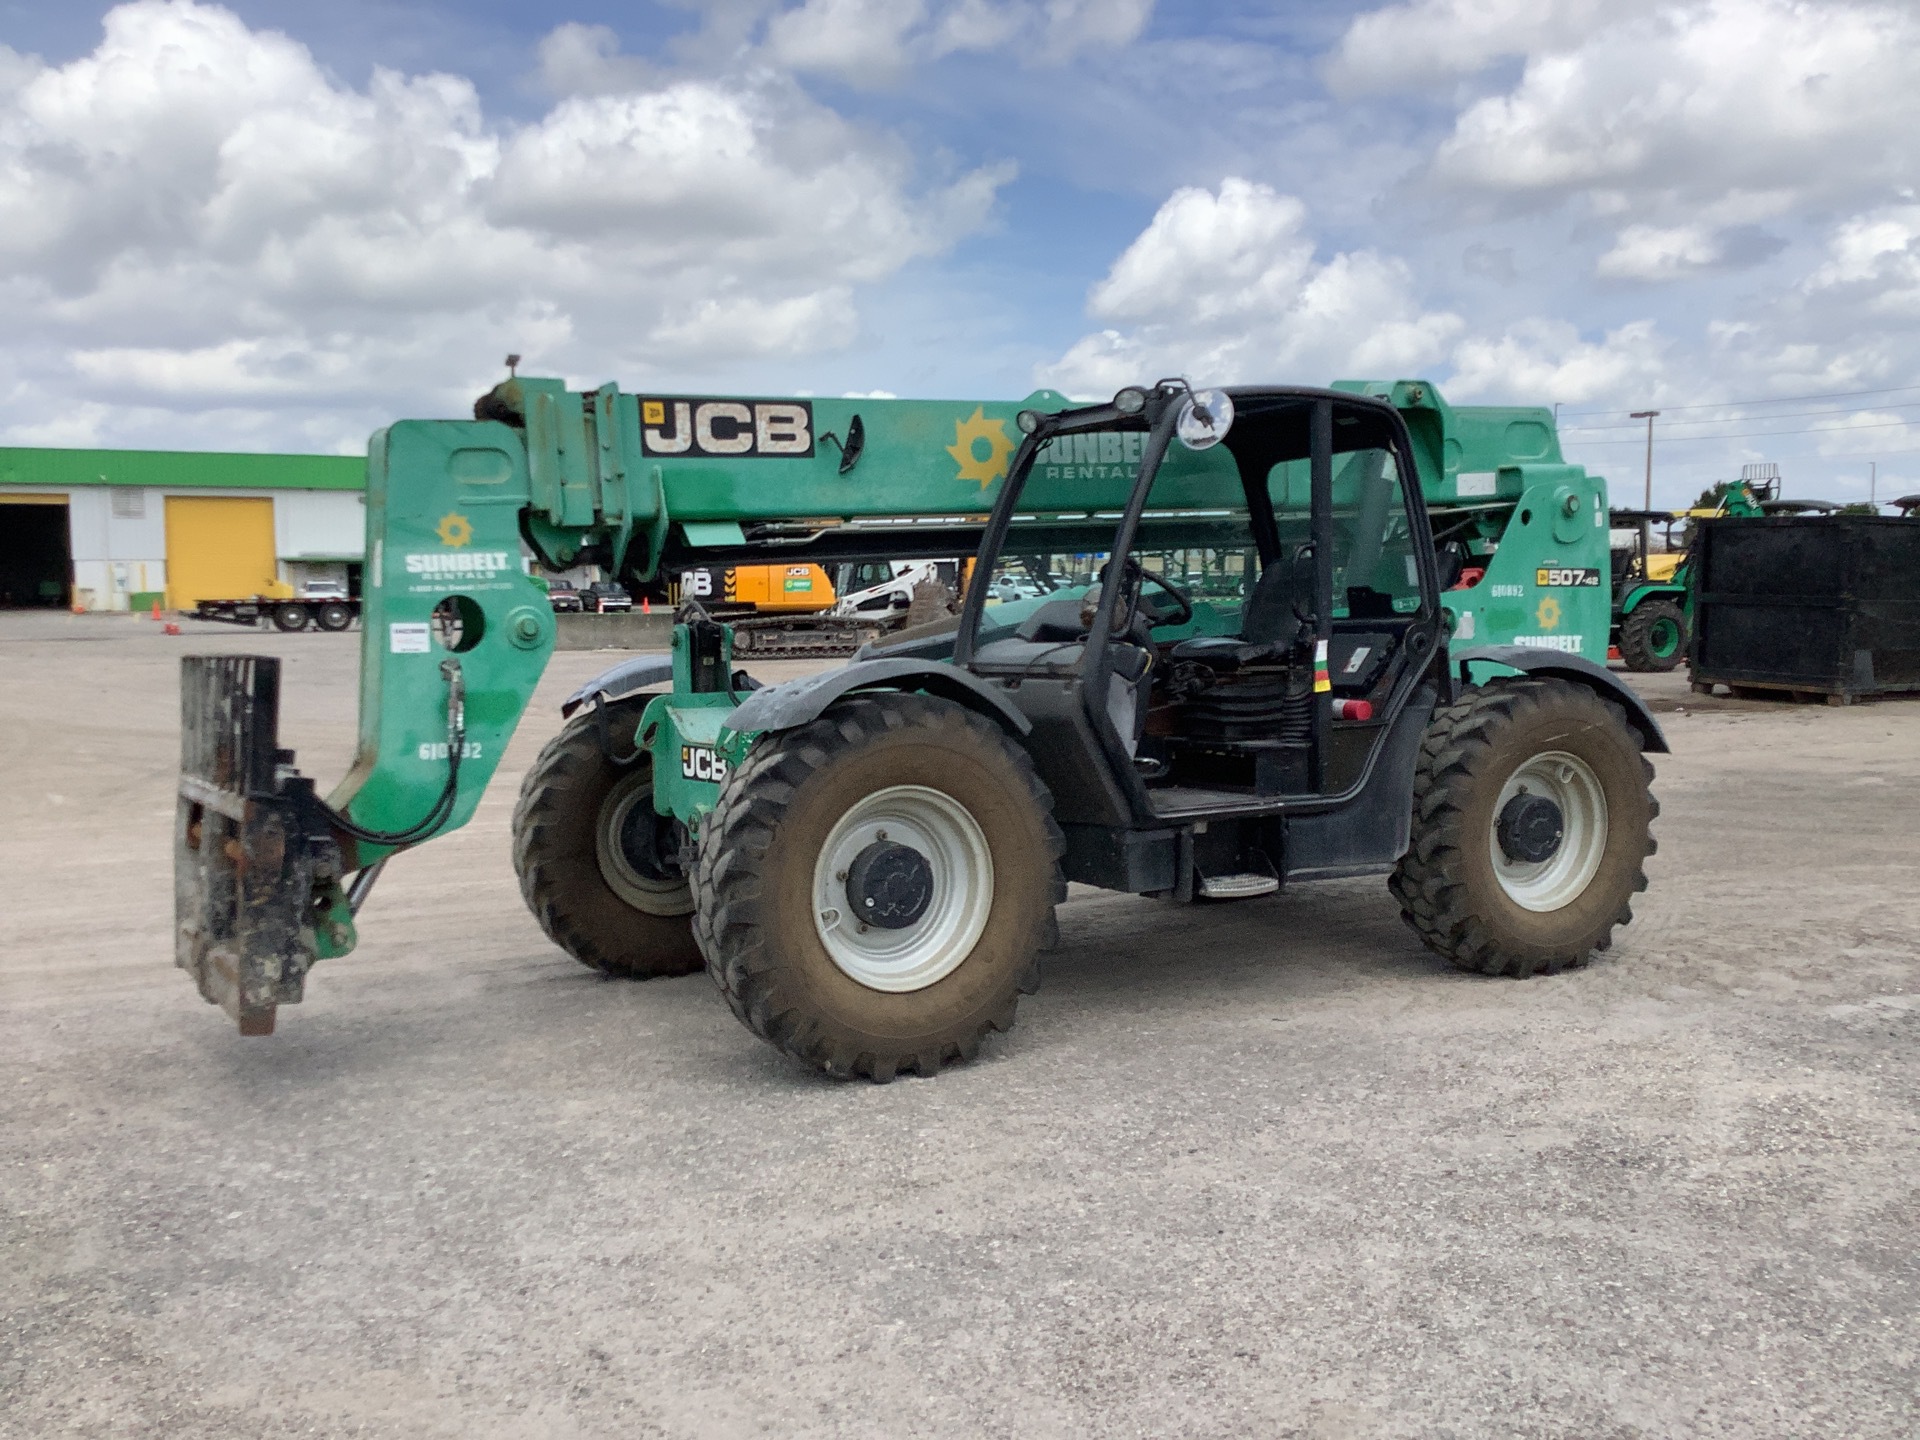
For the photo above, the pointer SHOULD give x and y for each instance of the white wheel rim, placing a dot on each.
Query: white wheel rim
(933, 946)
(643, 892)
(1560, 879)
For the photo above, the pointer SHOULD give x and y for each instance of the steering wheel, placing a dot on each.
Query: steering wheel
(1182, 610)
(1133, 608)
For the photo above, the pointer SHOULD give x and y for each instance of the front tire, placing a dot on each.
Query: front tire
(1653, 637)
(1531, 816)
(909, 810)
(598, 868)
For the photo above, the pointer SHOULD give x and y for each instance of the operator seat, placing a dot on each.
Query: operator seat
(1269, 627)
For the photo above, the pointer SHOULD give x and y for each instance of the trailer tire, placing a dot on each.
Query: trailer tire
(805, 814)
(579, 830)
(334, 616)
(289, 617)
(1472, 898)
(1653, 636)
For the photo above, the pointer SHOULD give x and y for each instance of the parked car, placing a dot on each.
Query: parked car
(563, 596)
(604, 597)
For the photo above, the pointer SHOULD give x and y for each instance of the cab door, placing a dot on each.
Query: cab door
(1377, 648)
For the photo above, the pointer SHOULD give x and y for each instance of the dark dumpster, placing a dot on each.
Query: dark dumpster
(1827, 604)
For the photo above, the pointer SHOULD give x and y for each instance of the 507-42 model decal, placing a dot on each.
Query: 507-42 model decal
(1566, 576)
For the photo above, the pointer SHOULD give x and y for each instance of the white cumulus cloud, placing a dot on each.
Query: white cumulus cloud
(1746, 107)
(196, 217)
(1543, 361)
(1226, 287)
(1426, 43)
(872, 42)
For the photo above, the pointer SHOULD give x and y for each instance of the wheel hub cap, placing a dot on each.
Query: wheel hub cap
(923, 861)
(640, 841)
(1548, 831)
(1531, 828)
(638, 849)
(890, 885)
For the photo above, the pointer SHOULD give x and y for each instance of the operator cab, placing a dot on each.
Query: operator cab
(1262, 627)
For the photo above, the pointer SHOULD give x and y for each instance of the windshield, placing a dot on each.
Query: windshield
(1375, 571)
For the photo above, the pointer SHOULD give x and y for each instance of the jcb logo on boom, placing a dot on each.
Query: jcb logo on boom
(775, 429)
(700, 762)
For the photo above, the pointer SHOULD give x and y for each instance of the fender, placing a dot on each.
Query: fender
(782, 707)
(1581, 672)
(633, 675)
(623, 679)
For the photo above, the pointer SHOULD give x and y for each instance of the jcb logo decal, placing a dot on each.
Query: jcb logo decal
(700, 762)
(1558, 578)
(775, 429)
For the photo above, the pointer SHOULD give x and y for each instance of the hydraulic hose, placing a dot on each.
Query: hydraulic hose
(442, 807)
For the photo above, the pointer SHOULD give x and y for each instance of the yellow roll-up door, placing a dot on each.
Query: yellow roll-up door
(218, 548)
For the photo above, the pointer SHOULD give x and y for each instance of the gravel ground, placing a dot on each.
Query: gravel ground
(1266, 1169)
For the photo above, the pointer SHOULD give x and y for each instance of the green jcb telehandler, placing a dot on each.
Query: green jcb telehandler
(868, 860)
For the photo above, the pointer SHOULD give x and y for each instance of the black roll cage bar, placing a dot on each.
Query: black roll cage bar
(1159, 419)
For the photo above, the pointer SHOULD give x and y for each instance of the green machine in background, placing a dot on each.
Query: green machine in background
(1383, 567)
(1653, 597)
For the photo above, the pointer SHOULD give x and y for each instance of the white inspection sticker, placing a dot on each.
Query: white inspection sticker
(1476, 482)
(410, 638)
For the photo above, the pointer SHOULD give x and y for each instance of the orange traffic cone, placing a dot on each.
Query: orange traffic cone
(156, 609)
(646, 604)
(170, 629)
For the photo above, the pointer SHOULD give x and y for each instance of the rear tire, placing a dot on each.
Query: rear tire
(1474, 901)
(1653, 638)
(591, 856)
(810, 808)
(289, 618)
(334, 616)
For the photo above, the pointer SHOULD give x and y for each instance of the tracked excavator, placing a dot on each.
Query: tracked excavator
(1389, 670)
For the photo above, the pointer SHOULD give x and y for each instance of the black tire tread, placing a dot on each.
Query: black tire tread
(1433, 900)
(550, 784)
(1636, 636)
(734, 842)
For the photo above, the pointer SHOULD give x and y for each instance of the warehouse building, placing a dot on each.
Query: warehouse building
(121, 529)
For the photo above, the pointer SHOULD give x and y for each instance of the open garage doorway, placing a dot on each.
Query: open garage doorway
(36, 552)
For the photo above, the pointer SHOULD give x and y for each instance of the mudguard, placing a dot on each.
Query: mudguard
(623, 679)
(1581, 672)
(782, 707)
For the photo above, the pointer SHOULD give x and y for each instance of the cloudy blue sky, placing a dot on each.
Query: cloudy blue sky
(269, 225)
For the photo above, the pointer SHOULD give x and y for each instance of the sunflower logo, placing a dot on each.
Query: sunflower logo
(969, 436)
(1548, 614)
(455, 530)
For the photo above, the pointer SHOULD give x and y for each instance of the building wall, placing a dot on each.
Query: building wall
(116, 555)
(117, 509)
(119, 536)
(320, 525)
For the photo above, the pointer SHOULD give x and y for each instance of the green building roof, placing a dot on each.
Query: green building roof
(181, 469)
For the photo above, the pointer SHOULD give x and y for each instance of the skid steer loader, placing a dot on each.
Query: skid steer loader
(868, 860)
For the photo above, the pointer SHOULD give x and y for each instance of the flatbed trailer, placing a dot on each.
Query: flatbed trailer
(331, 612)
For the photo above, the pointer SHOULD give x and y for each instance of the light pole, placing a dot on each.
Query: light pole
(1873, 484)
(1648, 416)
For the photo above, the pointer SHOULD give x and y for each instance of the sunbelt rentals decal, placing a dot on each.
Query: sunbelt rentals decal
(457, 566)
